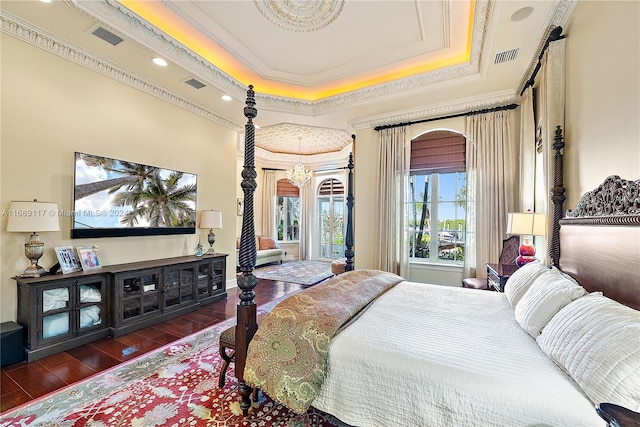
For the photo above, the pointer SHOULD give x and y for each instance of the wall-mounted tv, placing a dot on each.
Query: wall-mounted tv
(114, 198)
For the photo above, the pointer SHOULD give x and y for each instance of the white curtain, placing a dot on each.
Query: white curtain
(491, 180)
(552, 102)
(307, 195)
(268, 203)
(393, 159)
(527, 152)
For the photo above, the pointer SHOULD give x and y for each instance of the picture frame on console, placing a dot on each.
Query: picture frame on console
(68, 259)
(89, 258)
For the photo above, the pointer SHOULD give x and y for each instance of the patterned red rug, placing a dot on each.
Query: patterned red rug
(176, 385)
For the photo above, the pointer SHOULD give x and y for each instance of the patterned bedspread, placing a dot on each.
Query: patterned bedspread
(287, 356)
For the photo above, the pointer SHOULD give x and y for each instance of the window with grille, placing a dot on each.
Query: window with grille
(437, 197)
(287, 211)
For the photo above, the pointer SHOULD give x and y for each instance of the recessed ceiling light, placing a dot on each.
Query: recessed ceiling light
(159, 61)
(521, 14)
(45, 1)
(226, 98)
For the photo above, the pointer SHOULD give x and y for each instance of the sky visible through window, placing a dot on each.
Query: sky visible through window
(450, 185)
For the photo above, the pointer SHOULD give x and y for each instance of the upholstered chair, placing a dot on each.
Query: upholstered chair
(507, 256)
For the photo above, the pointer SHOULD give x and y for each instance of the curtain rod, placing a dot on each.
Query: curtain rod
(469, 113)
(555, 35)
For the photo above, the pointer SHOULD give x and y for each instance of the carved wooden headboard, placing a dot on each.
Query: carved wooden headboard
(600, 241)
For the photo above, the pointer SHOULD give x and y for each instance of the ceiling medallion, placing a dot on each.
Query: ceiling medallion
(300, 15)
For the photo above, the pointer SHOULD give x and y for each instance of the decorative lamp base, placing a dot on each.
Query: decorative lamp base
(527, 253)
(211, 238)
(33, 250)
(34, 270)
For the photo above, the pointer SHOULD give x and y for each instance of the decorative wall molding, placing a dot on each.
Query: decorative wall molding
(37, 37)
(117, 16)
(439, 110)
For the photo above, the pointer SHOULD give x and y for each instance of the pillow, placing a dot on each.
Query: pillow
(266, 243)
(597, 342)
(521, 280)
(546, 296)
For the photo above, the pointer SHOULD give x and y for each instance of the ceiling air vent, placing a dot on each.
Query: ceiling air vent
(195, 83)
(506, 56)
(107, 36)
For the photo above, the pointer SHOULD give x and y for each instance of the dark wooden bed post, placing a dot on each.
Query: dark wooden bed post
(348, 241)
(247, 325)
(557, 197)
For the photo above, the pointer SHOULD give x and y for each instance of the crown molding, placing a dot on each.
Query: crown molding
(139, 31)
(285, 161)
(438, 110)
(37, 37)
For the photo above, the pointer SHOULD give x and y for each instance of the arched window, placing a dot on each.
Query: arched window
(287, 211)
(437, 197)
(331, 226)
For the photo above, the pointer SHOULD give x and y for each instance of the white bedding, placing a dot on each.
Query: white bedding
(429, 355)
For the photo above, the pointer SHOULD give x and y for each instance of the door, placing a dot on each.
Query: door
(331, 225)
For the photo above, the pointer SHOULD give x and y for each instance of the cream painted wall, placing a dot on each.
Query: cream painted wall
(51, 108)
(603, 95)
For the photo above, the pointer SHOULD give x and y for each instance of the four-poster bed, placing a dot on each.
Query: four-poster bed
(423, 354)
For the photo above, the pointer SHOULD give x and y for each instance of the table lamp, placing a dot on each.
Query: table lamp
(32, 217)
(526, 224)
(211, 219)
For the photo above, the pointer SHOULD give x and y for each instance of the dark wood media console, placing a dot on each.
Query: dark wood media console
(59, 312)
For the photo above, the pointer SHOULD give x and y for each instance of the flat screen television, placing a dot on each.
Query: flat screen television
(115, 198)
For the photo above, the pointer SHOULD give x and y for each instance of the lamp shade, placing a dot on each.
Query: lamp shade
(31, 217)
(211, 219)
(526, 223)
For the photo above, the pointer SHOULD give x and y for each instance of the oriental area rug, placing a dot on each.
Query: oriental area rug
(175, 385)
(301, 272)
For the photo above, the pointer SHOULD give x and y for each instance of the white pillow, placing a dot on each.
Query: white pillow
(521, 280)
(597, 342)
(547, 295)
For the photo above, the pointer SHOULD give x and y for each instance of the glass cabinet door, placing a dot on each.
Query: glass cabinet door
(55, 320)
(178, 285)
(91, 303)
(204, 279)
(140, 293)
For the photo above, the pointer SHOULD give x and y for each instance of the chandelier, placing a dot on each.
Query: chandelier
(298, 176)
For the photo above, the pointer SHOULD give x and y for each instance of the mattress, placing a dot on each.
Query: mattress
(429, 355)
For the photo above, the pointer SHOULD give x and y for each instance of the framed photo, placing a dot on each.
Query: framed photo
(68, 259)
(89, 257)
(240, 207)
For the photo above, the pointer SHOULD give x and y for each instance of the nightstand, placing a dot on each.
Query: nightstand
(498, 274)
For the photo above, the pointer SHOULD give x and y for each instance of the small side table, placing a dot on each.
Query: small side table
(498, 274)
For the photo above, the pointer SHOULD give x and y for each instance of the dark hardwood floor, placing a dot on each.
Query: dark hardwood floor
(23, 382)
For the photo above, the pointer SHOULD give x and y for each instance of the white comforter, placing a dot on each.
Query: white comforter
(428, 355)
